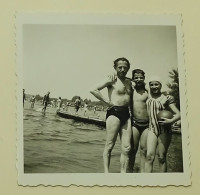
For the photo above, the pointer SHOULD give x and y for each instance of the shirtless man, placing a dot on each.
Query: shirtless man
(85, 109)
(59, 104)
(140, 121)
(117, 117)
(94, 110)
(32, 101)
(24, 96)
(45, 102)
(77, 104)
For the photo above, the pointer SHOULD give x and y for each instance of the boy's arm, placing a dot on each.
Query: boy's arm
(96, 91)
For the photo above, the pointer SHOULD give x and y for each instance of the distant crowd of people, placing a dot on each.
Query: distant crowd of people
(59, 104)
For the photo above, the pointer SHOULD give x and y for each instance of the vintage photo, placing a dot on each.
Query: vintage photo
(101, 100)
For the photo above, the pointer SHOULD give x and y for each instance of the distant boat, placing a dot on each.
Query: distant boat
(89, 120)
(96, 121)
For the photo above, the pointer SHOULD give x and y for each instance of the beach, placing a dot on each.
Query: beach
(56, 145)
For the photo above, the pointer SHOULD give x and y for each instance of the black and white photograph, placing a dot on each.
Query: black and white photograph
(101, 100)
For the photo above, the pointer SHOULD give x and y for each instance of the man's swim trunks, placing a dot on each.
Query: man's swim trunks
(140, 124)
(121, 112)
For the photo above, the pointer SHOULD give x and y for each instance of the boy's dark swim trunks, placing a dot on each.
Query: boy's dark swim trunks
(121, 112)
(140, 124)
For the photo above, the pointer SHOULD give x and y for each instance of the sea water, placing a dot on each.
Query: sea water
(57, 145)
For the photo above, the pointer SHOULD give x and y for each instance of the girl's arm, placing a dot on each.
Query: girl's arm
(176, 117)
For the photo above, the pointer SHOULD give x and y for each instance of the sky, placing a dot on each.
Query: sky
(69, 60)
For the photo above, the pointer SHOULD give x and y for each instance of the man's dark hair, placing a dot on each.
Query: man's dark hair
(121, 59)
(138, 71)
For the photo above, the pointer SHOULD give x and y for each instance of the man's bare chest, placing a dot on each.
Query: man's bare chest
(122, 88)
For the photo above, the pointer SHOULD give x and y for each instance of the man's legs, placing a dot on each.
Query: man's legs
(45, 106)
(76, 110)
(112, 129)
(126, 134)
(143, 150)
(134, 147)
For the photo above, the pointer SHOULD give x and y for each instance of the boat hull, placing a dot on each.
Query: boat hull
(88, 120)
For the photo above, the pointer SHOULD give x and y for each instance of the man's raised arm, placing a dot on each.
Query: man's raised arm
(96, 90)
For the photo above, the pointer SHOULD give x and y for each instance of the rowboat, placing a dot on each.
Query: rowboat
(89, 120)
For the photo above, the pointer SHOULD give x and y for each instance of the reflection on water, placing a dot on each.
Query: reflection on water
(56, 145)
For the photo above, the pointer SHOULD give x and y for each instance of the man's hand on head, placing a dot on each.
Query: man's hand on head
(133, 84)
(112, 77)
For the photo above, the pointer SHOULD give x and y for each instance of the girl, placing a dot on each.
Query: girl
(159, 135)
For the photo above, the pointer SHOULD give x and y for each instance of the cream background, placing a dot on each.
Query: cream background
(8, 173)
